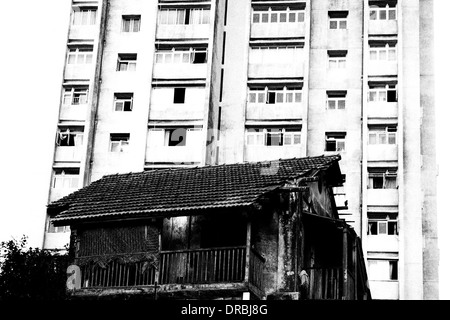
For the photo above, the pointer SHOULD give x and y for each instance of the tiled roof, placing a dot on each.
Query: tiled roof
(174, 190)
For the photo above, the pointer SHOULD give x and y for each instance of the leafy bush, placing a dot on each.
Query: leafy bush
(31, 273)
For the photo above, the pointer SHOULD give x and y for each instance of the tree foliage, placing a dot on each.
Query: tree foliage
(31, 273)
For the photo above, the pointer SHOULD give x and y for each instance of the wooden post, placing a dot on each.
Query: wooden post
(345, 263)
(355, 262)
(160, 262)
(247, 252)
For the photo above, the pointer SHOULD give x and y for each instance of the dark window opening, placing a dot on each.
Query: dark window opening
(179, 95)
(187, 16)
(373, 228)
(393, 266)
(330, 146)
(69, 137)
(392, 228)
(274, 138)
(271, 96)
(378, 182)
(392, 96)
(199, 57)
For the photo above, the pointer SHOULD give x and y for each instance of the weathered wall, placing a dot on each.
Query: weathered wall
(321, 78)
(428, 150)
(139, 83)
(411, 260)
(232, 130)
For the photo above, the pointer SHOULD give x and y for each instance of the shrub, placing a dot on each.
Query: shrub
(32, 273)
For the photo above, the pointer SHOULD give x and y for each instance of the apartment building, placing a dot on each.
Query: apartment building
(162, 84)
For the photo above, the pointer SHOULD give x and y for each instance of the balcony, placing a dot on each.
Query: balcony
(164, 108)
(382, 197)
(73, 112)
(78, 71)
(386, 290)
(383, 68)
(338, 39)
(382, 243)
(285, 69)
(165, 154)
(68, 154)
(176, 31)
(186, 270)
(180, 71)
(56, 240)
(268, 153)
(383, 152)
(177, 112)
(281, 111)
(382, 110)
(83, 32)
(58, 193)
(278, 30)
(383, 27)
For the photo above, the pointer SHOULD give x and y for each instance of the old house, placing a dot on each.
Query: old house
(241, 231)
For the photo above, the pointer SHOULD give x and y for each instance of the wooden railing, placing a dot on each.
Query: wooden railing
(116, 274)
(199, 266)
(325, 284)
(256, 269)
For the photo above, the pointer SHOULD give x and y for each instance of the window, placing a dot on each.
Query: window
(337, 62)
(187, 56)
(383, 13)
(276, 55)
(382, 178)
(380, 93)
(275, 96)
(126, 62)
(382, 135)
(84, 16)
(383, 270)
(52, 229)
(179, 95)
(75, 96)
(338, 20)
(336, 100)
(383, 53)
(335, 141)
(119, 142)
(273, 137)
(175, 137)
(123, 102)
(287, 15)
(184, 16)
(69, 137)
(382, 224)
(65, 178)
(80, 55)
(131, 23)
(337, 59)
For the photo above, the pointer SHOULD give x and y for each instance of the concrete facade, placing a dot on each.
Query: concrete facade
(279, 79)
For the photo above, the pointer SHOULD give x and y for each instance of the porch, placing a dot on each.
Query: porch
(176, 274)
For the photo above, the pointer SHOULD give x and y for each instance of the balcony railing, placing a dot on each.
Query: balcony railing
(256, 269)
(203, 266)
(325, 284)
(187, 267)
(116, 274)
